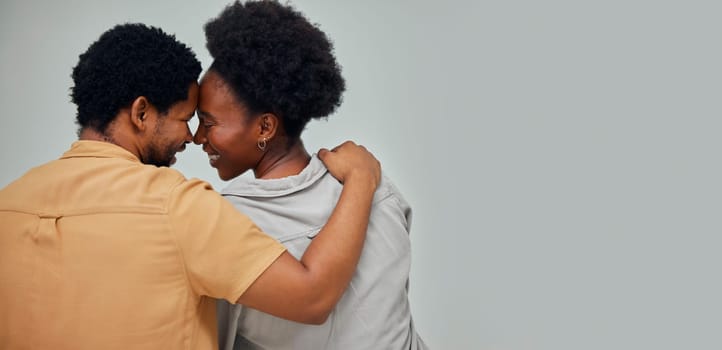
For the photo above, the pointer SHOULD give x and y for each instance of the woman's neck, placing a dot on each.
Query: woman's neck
(281, 162)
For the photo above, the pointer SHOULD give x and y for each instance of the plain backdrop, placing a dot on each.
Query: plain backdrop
(562, 157)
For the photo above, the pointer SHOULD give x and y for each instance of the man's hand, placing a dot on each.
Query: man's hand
(307, 290)
(349, 160)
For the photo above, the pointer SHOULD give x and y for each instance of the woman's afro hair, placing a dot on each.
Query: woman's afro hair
(276, 61)
(128, 61)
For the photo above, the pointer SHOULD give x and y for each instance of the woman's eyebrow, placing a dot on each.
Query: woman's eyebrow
(204, 115)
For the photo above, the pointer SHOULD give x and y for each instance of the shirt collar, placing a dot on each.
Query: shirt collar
(98, 149)
(244, 186)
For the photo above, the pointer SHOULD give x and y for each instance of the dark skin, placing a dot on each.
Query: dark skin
(326, 268)
(151, 136)
(303, 291)
(279, 163)
(231, 136)
(228, 129)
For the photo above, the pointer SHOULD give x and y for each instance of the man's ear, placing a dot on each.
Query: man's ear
(268, 124)
(140, 110)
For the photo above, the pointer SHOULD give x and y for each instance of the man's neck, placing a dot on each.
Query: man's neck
(94, 135)
(90, 134)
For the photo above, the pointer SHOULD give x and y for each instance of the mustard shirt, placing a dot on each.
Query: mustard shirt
(99, 251)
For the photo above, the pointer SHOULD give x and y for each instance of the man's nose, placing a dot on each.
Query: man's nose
(189, 136)
(200, 137)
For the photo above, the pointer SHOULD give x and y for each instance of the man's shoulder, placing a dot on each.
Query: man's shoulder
(100, 183)
(161, 175)
(12, 195)
(173, 186)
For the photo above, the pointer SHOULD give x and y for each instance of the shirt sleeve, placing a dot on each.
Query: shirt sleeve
(222, 249)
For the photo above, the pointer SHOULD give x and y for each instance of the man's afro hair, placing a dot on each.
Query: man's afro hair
(128, 61)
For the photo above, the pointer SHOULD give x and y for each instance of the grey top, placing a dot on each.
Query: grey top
(374, 311)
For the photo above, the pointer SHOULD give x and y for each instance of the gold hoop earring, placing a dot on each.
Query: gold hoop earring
(262, 144)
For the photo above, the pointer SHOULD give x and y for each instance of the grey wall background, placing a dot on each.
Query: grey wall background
(562, 157)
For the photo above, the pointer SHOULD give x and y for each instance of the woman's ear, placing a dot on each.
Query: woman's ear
(268, 124)
(139, 112)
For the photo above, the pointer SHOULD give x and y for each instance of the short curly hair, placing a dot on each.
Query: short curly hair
(276, 61)
(128, 61)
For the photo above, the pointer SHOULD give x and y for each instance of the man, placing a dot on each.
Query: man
(108, 248)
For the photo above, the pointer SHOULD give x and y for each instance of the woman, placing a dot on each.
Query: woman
(272, 72)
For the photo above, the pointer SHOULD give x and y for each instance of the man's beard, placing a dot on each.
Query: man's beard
(157, 154)
(160, 156)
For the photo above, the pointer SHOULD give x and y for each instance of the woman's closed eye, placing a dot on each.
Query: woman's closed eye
(205, 122)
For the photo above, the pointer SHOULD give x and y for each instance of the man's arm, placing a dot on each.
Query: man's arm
(307, 290)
